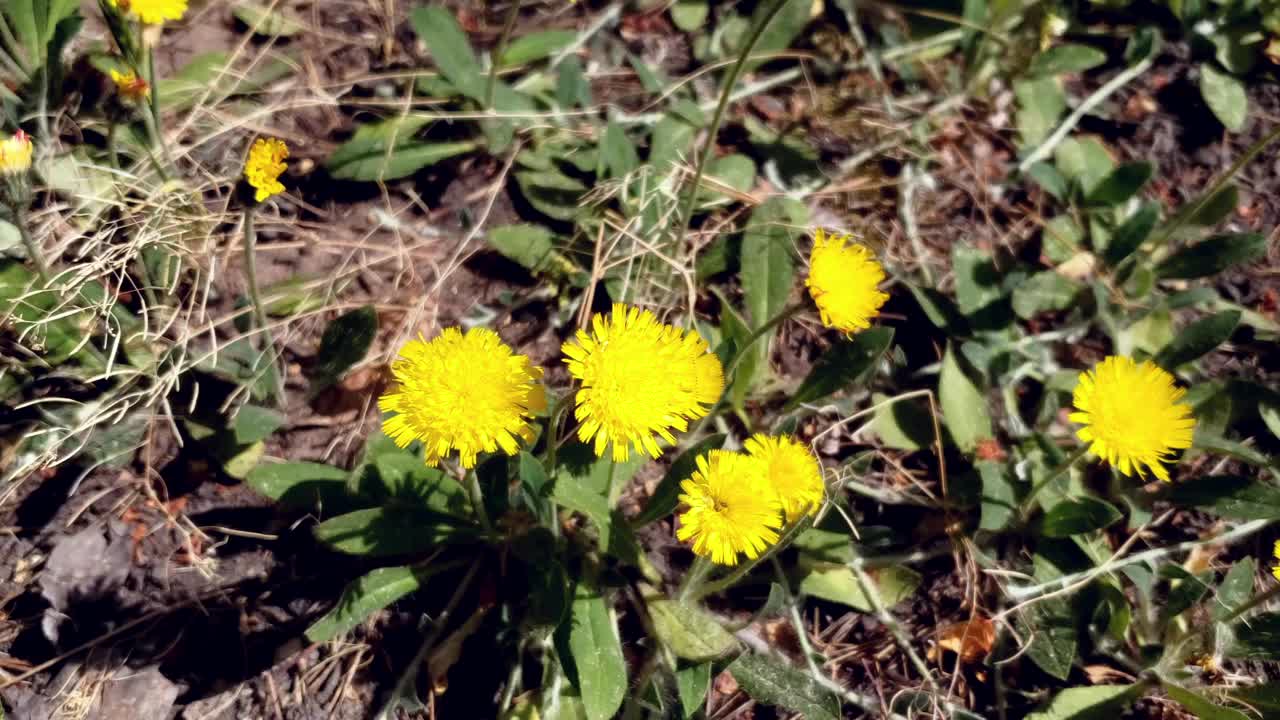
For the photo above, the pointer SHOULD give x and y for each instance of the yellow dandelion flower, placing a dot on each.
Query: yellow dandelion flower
(843, 282)
(15, 154)
(264, 167)
(1275, 552)
(730, 508)
(1131, 415)
(467, 392)
(130, 86)
(792, 471)
(640, 379)
(152, 12)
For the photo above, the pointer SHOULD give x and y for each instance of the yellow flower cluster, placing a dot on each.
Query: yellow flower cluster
(15, 154)
(738, 502)
(264, 167)
(152, 12)
(844, 280)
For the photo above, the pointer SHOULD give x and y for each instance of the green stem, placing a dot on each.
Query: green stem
(694, 578)
(773, 322)
(1053, 475)
(491, 86)
(112, 129)
(726, 92)
(266, 343)
(33, 250)
(1254, 602)
(154, 104)
(742, 569)
(477, 498)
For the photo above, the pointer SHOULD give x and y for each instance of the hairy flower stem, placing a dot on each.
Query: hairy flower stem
(742, 569)
(491, 87)
(726, 92)
(1056, 473)
(266, 344)
(29, 242)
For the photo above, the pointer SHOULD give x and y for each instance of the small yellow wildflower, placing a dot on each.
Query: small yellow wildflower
(152, 12)
(731, 509)
(15, 154)
(1131, 415)
(264, 167)
(467, 392)
(1275, 552)
(640, 379)
(843, 282)
(130, 86)
(792, 471)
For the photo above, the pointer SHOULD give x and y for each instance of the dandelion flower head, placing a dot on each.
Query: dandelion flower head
(843, 282)
(641, 379)
(731, 509)
(1275, 553)
(264, 167)
(15, 154)
(152, 12)
(791, 470)
(130, 86)
(1131, 415)
(466, 392)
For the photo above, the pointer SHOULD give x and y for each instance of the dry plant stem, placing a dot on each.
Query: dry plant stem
(1056, 473)
(491, 86)
(428, 644)
(726, 92)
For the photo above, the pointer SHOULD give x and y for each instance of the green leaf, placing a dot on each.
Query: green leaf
(211, 75)
(386, 531)
(551, 192)
(1074, 516)
(536, 46)
(363, 597)
(1225, 95)
(1211, 210)
(977, 279)
(572, 87)
(402, 479)
(1052, 629)
(301, 484)
(964, 408)
(253, 423)
(689, 15)
(388, 150)
(1130, 235)
(669, 142)
(1048, 178)
(1084, 160)
(1214, 255)
(667, 495)
(617, 151)
(840, 585)
(1256, 637)
(999, 501)
(779, 34)
(1044, 292)
(737, 172)
(450, 49)
(1236, 588)
(1229, 496)
(1121, 184)
(845, 364)
(1067, 58)
(268, 22)
(1200, 706)
(572, 492)
(771, 682)
(529, 245)
(1198, 338)
(689, 631)
(1095, 702)
(597, 653)
(768, 270)
(344, 343)
(734, 330)
(1264, 698)
(692, 684)
(903, 425)
(1040, 104)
